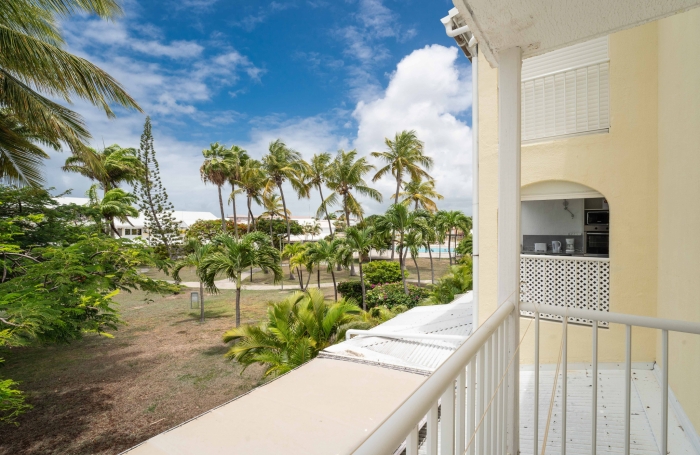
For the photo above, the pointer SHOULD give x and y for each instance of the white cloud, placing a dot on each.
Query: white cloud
(426, 93)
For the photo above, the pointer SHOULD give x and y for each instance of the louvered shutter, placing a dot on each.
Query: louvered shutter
(566, 91)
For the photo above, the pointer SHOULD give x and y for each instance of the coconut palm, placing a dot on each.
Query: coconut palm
(110, 167)
(273, 208)
(115, 204)
(216, 170)
(421, 193)
(195, 259)
(282, 164)
(234, 255)
(316, 176)
(237, 160)
(360, 241)
(296, 330)
(252, 183)
(451, 221)
(326, 252)
(34, 69)
(313, 229)
(404, 157)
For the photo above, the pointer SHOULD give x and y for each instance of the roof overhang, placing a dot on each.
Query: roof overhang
(539, 26)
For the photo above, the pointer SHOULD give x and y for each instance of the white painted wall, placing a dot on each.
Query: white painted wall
(550, 218)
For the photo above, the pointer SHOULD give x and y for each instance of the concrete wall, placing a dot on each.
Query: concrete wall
(679, 198)
(622, 165)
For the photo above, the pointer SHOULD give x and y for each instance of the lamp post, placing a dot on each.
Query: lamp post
(280, 237)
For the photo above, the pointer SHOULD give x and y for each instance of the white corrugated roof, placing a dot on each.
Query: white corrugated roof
(451, 319)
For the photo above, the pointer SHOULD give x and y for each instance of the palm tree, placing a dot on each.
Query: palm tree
(290, 250)
(216, 170)
(405, 156)
(110, 167)
(237, 163)
(413, 241)
(316, 175)
(115, 204)
(453, 220)
(327, 252)
(313, 229)
(360, 241)
(421, 193)
(34, 67)
(195, 259)
(253, 183)
(345, 176)
(296, 330)
(234, 255)
(273, 208)
(282, 164)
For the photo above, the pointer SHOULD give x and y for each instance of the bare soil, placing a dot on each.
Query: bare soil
(103, 395)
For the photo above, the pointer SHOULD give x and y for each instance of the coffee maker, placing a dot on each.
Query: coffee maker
(569, 245)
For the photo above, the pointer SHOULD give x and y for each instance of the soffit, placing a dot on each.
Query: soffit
(539, 26)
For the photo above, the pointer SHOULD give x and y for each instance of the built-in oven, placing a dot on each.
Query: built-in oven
(597, 241)
(597, 217)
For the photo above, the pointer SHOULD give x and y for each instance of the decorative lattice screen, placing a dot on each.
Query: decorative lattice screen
(582, 283)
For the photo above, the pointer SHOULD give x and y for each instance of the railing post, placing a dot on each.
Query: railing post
(594, 386)
(431, 437)
(509, 140)
(471, 406)
(480, 399)
(628, 385)
(447, 421)
(564, 368)
(488, 384)
(412, 442)
(664, 392)
(536, 429)
(460, 424)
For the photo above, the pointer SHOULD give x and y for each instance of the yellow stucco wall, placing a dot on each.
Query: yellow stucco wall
(622, 165)
(679, 198)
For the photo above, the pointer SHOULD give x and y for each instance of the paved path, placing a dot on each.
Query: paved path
(228, 284)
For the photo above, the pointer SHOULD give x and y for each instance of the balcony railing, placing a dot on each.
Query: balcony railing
(565, 281)
(470, 403)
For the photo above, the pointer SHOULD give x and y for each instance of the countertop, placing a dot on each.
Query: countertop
(577, 254)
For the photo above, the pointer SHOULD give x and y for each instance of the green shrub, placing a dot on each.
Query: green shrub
(392, 295)
(351, 290)
(381, 272)
(458, 281)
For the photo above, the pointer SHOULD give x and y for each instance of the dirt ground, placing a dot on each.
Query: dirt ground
(103, 395)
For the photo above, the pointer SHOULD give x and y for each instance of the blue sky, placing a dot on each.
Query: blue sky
(319, 74)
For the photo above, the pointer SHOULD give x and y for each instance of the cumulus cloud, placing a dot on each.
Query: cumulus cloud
(427, 93)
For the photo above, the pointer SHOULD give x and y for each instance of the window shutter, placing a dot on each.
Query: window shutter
(566, 91)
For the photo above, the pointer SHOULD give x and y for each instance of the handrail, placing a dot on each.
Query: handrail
(393, 431)
(672, 325)
(417, 336)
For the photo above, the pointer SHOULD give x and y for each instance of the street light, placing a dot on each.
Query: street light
(280, 236)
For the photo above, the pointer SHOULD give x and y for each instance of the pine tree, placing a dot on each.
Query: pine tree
(153, 199)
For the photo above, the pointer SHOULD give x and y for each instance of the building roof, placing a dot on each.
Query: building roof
(185, 218)
(72, 200)
(540, 26)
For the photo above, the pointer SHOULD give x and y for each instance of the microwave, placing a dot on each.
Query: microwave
(597, 217)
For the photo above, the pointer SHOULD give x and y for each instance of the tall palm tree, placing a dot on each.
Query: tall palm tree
(253, 183)
(273, 208)
(115, 204)
(327, 252)
(195, 259)
(404, 157)
(451, 221)
(360, 241)
(316, 175)
(216, 170)
(234, 255)
(421, 193)
(34, 67)
(282, 164)
(346, 178)
(110, 167)
(237, 162)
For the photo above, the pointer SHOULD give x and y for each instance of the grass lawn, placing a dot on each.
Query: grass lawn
(102, 396)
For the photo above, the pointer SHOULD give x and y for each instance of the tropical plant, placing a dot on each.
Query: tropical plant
(110, 167)
(234, 255)
(296, 330)
(464, 247)
(316, 176)
(451, 221)
(273, 208)
(35, 67)
(351, 290)
(420, 193)
(328, 252)
(381, 272)
(237, 162)
(290, 250)
(359, 241)
(216, 170)
(163, 229)
(282, 164)
(207, 230)
(115, 204)
(199, 252)
(392, 295)
(458, 281)
(253, 183)
(312, 229)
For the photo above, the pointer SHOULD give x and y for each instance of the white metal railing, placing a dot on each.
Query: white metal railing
(476, 422)
(565, 281)
(570, 101)
(463, 417)
(629, 321)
